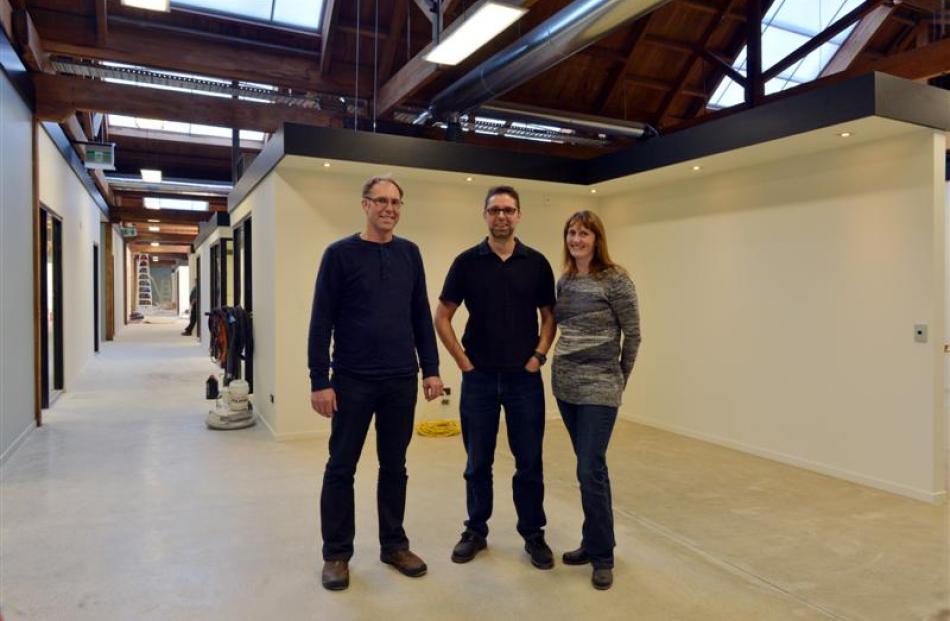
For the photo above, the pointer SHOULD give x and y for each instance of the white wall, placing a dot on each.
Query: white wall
(63, 193)
(16, 274)
(118, 279)
(778, 304)
(442, 215)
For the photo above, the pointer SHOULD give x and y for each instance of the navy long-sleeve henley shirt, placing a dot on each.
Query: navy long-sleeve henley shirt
(371, 299)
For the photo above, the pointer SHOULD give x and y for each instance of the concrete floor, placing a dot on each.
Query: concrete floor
(123, 506)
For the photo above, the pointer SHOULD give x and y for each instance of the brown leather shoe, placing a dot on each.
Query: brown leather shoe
(406, 562)
(335, 575)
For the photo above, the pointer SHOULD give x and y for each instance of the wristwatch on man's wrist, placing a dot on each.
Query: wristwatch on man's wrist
(541, 358)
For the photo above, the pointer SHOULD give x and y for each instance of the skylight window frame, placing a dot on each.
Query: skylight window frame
(237, 18)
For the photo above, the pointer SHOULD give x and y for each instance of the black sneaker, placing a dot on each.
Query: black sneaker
(575, 557)
(540, 553)
(468, 546)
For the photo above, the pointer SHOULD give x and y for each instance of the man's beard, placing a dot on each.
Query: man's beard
(503, 234)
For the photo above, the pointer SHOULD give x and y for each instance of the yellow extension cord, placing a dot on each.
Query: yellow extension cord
(438, 428)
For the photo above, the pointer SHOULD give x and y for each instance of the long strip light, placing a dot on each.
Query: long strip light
(149, 5)
(483, 25)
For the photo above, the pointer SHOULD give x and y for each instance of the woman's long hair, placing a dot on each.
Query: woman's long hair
(600, 262)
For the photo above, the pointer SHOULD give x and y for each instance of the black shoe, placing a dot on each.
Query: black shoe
(335, 575)
(468, 546)
(540, 553)
(602, 578)
(186, 333)
(406, 562)
(575, 557)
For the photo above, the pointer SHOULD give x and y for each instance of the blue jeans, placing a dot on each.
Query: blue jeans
(521, 393)
(393, 402)
(590, 427)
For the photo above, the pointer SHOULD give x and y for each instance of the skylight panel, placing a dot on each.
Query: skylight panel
(175, 127)
(788, 25)
(301, 14)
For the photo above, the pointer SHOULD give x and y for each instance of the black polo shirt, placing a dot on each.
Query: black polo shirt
(502, 298)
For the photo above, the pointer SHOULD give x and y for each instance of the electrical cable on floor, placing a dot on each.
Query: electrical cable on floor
(439, 428)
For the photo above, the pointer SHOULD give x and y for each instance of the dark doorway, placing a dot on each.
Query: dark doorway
(95, 298)
(51, 306)
(200, 319)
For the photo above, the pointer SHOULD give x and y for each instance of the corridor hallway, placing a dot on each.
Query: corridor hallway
(125, 507)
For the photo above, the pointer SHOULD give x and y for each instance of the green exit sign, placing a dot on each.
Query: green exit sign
(99, 155)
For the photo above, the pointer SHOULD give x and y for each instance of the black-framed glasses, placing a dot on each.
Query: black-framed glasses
(382, 201)
(501, 211)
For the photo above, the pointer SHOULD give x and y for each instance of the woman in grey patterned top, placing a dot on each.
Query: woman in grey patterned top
(596, 304)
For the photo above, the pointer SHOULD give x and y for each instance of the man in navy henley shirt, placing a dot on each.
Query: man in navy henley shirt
(371, 299)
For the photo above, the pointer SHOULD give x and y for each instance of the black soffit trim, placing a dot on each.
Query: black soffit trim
(205, 229)
(16, 71)
(874, 94)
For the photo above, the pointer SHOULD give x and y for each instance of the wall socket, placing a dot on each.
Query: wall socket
(920, 332)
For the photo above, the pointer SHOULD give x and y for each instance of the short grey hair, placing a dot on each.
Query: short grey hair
(380, 179)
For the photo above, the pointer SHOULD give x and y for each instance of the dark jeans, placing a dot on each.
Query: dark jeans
(393, 401)
(590, 427)
(522, 395)
(192, 317)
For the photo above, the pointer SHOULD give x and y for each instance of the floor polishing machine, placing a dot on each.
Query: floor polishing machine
(232, 407)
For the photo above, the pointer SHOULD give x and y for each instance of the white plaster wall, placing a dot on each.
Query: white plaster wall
(16, 274)
(63, 193)
(778, 304)
(442, 215)
(118, 289)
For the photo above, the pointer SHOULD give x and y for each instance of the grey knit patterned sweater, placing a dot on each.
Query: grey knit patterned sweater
(590, 366)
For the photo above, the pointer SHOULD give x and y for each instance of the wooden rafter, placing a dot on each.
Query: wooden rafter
(683, 76)
(330, 10)
(858, 40)
(102, 23)
(29, 42)
(59, 97)
(150, 46)
(396, 23)
(418, 72)
(613, 86)
(167, 216)
(922, 63)
(6, 18)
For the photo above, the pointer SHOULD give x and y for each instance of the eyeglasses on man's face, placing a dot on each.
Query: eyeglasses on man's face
(494, 212)
(382, 201)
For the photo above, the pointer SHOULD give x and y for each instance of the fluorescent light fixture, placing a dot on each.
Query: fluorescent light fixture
(148, 5)
(154, 229)
(154, 244)
(487, 22)
(152, 203)
(154, 258)
(153, 220)
(150, 175)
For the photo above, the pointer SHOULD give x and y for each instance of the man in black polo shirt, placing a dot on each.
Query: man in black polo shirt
(504, 284)
(371, 298)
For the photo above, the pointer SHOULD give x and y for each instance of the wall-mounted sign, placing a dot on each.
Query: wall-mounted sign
(98, 155)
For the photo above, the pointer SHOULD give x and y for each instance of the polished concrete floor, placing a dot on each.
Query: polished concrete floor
(123, 506)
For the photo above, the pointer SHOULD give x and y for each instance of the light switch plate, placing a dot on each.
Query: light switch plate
(920, 332)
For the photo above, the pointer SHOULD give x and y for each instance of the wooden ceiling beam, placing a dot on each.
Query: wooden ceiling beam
(59, 96)
(330, 10)
(922, 63)
(396, 23)
(418, 72)
(613, 85)
(29, 43)
(6, 19)
(150, 46)
(660, 85)
(146, 248)
(425, 7)
(858, 40)
(102, 23)
(75, 132)
(683, 76)
(696, 5)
